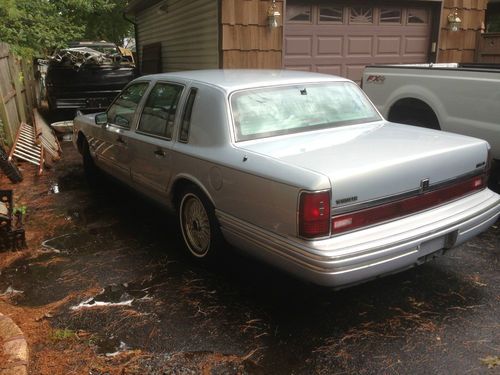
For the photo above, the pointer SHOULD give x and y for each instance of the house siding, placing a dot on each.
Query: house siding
(461, 46)
(188, 31)
(199, 34)
(247, 40)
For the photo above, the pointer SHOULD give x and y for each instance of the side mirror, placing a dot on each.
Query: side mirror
(101, 118)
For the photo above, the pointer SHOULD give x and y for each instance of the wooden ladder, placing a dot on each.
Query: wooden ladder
(25, 147)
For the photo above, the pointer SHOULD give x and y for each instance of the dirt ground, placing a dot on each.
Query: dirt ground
(105, 288)
(51, 352)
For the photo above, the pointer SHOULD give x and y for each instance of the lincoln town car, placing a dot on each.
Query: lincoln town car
(298, 169)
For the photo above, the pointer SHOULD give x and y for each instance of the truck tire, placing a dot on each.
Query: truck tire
(9, 168)
(494, 180)
(414, 112)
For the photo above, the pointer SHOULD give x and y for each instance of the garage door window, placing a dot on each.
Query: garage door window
(331, 14)
(298, 13)
(390, 15)
(360, 15)
(417, 16)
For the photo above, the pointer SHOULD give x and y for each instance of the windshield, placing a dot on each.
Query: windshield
(267, 112)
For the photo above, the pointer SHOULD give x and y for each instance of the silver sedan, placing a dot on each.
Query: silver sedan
(296, 168)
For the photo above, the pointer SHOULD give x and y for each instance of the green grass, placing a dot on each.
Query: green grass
(63, 334)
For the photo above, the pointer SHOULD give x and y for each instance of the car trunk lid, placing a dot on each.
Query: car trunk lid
(374, 161)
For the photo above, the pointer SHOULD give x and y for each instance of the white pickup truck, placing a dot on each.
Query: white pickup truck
(460, 98)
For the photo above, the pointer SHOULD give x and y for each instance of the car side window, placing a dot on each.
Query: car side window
(122, 111)
(186, 116)
(158, 114)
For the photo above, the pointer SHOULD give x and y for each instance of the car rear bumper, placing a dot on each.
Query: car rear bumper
(366, 254)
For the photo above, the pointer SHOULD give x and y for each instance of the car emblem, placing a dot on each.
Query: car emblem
(424, 185)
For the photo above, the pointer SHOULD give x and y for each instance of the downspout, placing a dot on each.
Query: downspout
(136, 36)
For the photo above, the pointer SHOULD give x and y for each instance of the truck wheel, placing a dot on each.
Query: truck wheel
(414, 112)
(494, 180)
(199, 226)
(9, 168)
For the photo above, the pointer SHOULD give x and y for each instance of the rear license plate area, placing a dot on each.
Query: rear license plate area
(436, 247)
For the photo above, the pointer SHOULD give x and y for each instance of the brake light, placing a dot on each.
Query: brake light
(314, 214)
(373, 215)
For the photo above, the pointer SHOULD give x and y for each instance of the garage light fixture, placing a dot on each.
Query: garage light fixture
(273, 15)
(454, 21)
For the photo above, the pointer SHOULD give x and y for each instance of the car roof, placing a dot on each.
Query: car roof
(235, 79)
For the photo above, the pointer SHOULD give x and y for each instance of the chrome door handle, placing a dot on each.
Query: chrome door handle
(121, 140)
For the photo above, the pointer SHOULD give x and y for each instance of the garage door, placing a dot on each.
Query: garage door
(343, 39)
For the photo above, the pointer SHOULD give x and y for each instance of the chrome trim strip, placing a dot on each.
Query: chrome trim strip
(390, 198)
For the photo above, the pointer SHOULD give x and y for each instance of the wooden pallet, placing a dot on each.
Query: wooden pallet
(26, 147)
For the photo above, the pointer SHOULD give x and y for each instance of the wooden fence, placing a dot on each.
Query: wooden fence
(18, 93)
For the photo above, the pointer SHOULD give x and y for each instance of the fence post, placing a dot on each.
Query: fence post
(4, 96)
(29, 87)
(21, 109)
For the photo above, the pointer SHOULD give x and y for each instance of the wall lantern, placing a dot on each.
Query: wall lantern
(454, 21)
(273, 15)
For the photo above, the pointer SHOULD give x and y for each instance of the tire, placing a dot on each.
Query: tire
(423, 120)
(9, 168)
(91, 171)
(199, 226)
(494, 180)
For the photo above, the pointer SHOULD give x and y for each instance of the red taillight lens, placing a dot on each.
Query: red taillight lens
(314, 214)
(354, 220)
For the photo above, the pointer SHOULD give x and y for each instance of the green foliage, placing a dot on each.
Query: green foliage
(109, 25)
(20, 209)
(63, 334)
(37, 27)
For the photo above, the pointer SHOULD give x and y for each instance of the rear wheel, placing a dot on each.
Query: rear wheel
(199, 225)
(89, 167)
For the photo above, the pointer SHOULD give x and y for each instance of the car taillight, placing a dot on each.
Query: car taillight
(403, 207)
(314, 214)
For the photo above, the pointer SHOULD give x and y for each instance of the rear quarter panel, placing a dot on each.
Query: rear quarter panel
(259, 190)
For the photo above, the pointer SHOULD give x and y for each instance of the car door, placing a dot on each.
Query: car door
(112, 149)
(151, 144)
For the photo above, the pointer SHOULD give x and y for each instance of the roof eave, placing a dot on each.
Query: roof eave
(136, 6)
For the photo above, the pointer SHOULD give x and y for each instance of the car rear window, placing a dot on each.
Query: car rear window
(272, 111)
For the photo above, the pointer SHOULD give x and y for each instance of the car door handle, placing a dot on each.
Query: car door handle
(121, 140)
(160, 153)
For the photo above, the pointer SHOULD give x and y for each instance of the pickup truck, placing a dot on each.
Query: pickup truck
(459, 98)
(87, 75)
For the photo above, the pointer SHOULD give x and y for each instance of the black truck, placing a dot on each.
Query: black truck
(87, 75)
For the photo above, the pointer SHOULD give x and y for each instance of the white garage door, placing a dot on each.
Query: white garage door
(343, 39)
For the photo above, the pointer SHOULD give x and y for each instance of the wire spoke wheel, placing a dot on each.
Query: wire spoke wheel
(195, 225)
